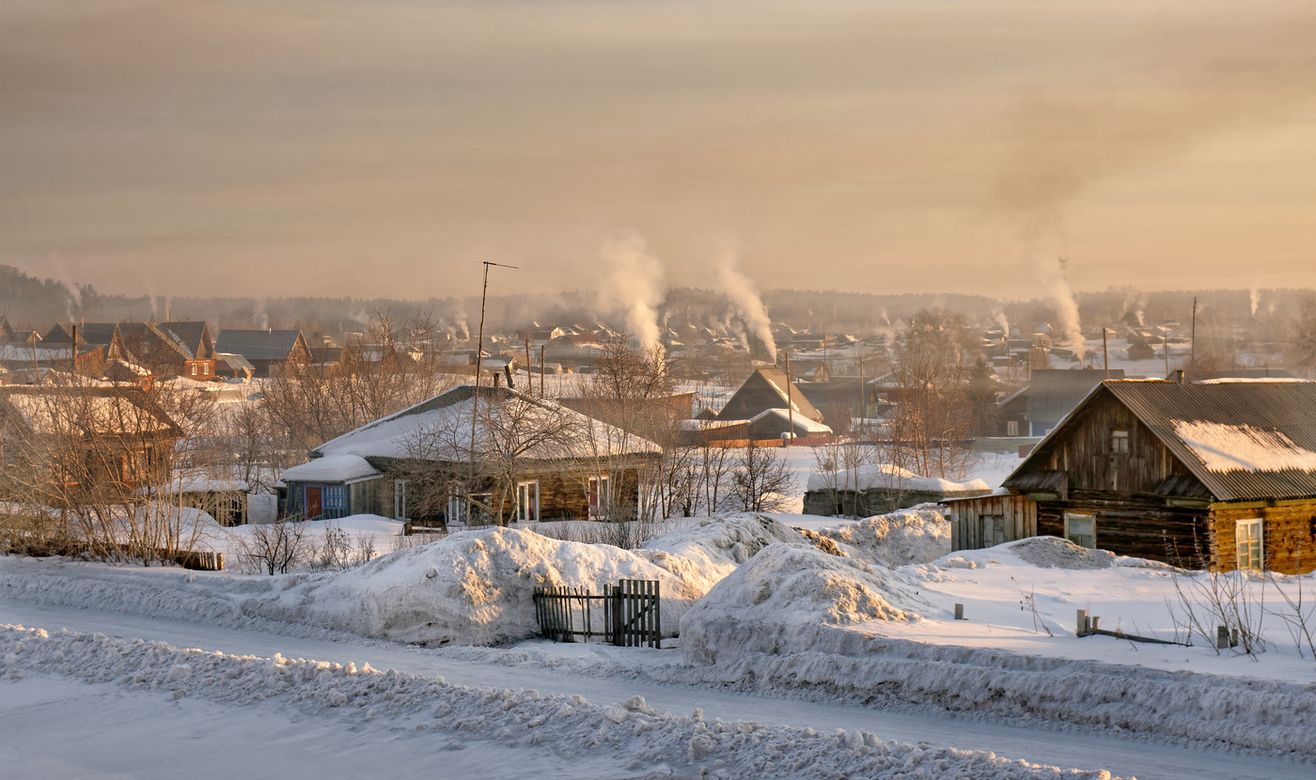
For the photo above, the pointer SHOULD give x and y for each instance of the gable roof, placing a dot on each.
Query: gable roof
(258, 344)
(86, 410)
(1243, 441)
(765, 389)
(97, 333)
(189, 337)
(419, 431)
(1054, 392)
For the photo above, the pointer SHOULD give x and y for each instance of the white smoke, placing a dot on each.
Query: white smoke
(1069, 329)
(259, 316)
(745, 300)
(634, 288)
(1003, 321)
(1254, 297)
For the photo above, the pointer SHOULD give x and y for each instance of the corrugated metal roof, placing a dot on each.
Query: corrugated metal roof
(1053, 393)
(258, 344)
(1287, 408)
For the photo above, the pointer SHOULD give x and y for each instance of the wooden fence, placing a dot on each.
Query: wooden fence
(627, 614)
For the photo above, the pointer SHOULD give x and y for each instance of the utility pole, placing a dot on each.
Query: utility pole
(863, 397)
(529, 370)
(1105, 352)
(1192, 342)
(479, 354)
(790, 404)
(1165, 350)
(541, 370)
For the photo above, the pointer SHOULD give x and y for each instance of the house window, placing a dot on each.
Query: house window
(1081, 530)
(457, 509)
(1012, 428)
(399, 499)
(195, 368)
(598, 493)
(1119, 442)
(335, 501)
(527, 501)
(1247, 536)
(480, 509)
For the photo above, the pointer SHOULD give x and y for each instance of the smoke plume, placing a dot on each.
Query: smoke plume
(634, 288)
(1068, 328)
(1003, 321)
(745, 300)
(1254, 298)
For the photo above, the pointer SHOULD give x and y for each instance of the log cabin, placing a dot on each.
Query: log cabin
(1219, 474)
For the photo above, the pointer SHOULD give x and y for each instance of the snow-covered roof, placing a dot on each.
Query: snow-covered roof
(508, 423)
(797, 419)
(890, 477)
(332, 468)
(1241, 440)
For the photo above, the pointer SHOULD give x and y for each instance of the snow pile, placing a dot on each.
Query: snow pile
(886, 476)
(917, 535)
(785, 598)
(1222, 447)
(704, 553)
(637, 735)
(1049, 552)
(473, 588)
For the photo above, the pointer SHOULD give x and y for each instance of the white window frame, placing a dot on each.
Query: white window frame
(599, 487)
(1073, 518)
(1250, 544)
(527, 501)
(1125, 442)
(400, 499)
(1011, 427)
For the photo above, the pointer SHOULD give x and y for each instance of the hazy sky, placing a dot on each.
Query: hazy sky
(384, 147)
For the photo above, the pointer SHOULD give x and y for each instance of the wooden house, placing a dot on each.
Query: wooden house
(1218, 474)
(533, 460)
(69, 443)
(266, 350)
(166, 349)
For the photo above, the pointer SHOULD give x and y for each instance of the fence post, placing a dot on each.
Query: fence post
(1082, 623)
(959, 611)
(616, 606)
(1221, 638)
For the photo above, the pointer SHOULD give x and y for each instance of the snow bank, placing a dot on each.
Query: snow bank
(472, 588)
(704, 553)
(890, 477)
(917, 535)
(1051, 552)
(635, 733)
(774, 602)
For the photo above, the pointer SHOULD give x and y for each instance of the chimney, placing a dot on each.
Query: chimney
(1178, 375)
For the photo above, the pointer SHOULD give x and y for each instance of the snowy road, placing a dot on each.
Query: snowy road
(504, 670)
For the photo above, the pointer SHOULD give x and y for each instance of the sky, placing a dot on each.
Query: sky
(386, 147)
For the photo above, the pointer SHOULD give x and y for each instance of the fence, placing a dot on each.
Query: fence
(627, 614)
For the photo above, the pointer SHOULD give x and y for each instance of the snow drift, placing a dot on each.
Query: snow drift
(471, 588)
(704, 553)
(785, 598)
(917, 535)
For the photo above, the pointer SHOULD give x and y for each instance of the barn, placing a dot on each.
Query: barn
(1219, 474)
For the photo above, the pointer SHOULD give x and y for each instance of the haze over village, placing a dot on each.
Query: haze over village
(657, 390)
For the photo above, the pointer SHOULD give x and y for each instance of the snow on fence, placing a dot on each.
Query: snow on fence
(631, 614)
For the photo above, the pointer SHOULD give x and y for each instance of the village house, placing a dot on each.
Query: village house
(166, 349)
(533, 460)
(71, 443)
(1218, 474)
(266, 350)
(771, 407)
(1050, 394)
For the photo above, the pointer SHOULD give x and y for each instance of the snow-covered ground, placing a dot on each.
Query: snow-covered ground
(786, 637)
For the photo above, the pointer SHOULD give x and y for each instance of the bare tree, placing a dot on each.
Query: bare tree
(932, 422)
(273, 548)
(760, 480)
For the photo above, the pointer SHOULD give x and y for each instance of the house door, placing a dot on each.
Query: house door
(314, 503)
